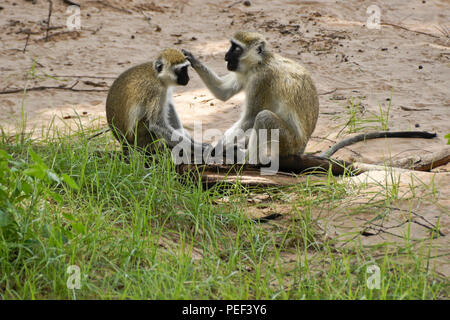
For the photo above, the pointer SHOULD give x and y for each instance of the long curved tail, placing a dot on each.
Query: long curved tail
(374, 135)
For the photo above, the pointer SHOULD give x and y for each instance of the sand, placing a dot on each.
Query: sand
(329, 38)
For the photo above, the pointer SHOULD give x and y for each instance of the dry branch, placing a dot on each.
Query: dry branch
(424, 162)
(250, 175)
(50, 3)
(327, 92)
(26, 42)
(40, 88)
(235, 3)
(404, 28)
(58, 33)
(113, 7)
(83, 76)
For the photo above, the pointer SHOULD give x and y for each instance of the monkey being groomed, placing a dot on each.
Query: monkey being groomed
(139, 106)
(279, 95)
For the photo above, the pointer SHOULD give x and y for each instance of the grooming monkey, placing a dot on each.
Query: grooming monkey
(139, 106)
(280, 94)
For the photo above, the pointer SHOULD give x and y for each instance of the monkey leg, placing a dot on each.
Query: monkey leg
(175, 122)
(234, 141)
(144, 139)
(258, 148)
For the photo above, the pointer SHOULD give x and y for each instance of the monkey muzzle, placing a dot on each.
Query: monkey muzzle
(232, 58)
(232, 62)
(232, 65)
(182, 76)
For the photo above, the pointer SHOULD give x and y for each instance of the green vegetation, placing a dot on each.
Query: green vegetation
(447, 136)
(141, 231)
(358, 120)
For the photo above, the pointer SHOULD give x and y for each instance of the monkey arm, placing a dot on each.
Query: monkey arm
(237, 132)
(223, 88)
(194, 143)
(175, 123)
(173, 137)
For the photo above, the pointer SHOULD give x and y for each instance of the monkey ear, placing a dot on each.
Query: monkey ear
(158, 66)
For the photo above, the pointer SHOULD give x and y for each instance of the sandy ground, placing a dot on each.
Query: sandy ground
(328, 37)
(408, 60)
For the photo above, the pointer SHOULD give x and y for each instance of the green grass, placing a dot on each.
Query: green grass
(140, 232)
(360, 119)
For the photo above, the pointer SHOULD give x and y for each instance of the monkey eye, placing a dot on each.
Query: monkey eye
(158, 66)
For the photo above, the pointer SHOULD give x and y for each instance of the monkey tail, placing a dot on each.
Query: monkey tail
(374, 135)
(99, 133)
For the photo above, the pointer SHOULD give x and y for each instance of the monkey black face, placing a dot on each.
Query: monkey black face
(233, 55)
(182, 75)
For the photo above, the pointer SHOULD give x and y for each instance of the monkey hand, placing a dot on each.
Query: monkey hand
(206, 146)
(201, 146)
(190, 57)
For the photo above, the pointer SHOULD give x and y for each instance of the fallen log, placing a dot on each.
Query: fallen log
(252, 175)
(424, 162)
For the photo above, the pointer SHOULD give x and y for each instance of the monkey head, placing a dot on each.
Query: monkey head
(171, 67)
(247, 50)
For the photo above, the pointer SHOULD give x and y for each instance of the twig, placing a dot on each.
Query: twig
(336, 89)
(40, 88)
(404, 28)
(26, 43)
(76, 82)
(412, 109)
(431, 225)
(95, 84)
(28, 31)
(99, 133)
(328, 92)
(48, 19)
(113, 7)
(83, 76)
(148, 18)
(235, 3)
(58, 33)
(445, 32)
(265, 219)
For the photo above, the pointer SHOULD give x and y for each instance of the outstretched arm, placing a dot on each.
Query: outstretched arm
(223, 88)
(173, 137)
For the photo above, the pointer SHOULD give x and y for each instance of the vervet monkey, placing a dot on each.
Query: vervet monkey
(139, 106)
(279, 94)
